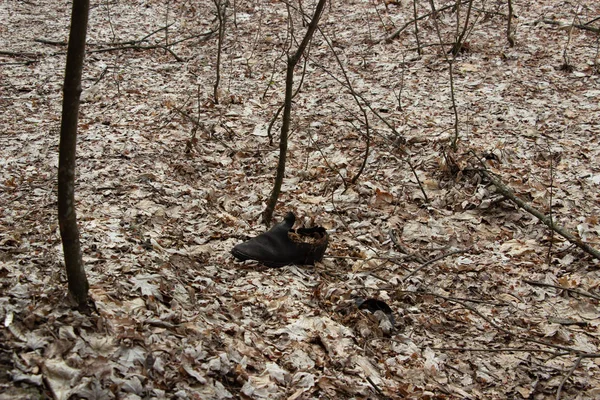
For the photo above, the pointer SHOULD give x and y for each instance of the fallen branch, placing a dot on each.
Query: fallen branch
(563, 25)
(506, 191)
(138, 47)
(405, 250)
(449, 298)
(137, 44)
(515, 335)
(137, 41)
(579, 292)
(51, 42)
(377, 389)
(502, 350)
(567, 376)
(592, 21)
(17, 54)
(559, 350)
(32, 57)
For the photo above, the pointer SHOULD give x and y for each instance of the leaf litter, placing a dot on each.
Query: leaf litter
(162, 199)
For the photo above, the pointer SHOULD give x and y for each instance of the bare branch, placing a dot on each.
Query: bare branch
(506, 191)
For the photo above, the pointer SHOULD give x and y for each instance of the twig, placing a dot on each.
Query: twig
(385, 258)
(222, 17)
(136, 41)
(348, 229)
(167, 24)
(367, 146)
(567, 376)
(206, 35)
(508, 332)
(404, 249)
(271, 79)
(506, 191)
(402, 72)
(198, 125)
(568, 26)
(550, 202)
(281, 107)
(566, 321)
(387, 123)
(17, 54)
(592, 21)
(455, 298)
(337, 171)
(397, 32)
(502, 350)
(28, 62)
(356, 98)
(460, 38)
(432, 261)
(579, 292)
(375, 386)
(110, 24)
(137, 47)
(51, 42)
(414, 171)
(450, 61)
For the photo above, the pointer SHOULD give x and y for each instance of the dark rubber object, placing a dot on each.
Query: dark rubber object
(277, 248)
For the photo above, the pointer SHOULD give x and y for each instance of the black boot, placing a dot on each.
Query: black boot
(282, 245)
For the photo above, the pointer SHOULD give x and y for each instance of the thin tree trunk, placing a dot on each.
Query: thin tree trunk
(283, 143)
(287, 112)
(450, 62)
(78, 284)
(509, 35)
(221, 9)
(456, 48)
(416, 27)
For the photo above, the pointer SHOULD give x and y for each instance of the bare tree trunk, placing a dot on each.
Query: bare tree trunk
(509, 35)
(167, 27)
(287, 111)
(416, 27)
(221, 10)
(450, 62)
(78, 284)
(456, 48)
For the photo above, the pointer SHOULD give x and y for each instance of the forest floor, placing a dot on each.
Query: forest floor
(487, 302)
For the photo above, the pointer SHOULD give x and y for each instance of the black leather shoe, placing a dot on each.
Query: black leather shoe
(282, 245)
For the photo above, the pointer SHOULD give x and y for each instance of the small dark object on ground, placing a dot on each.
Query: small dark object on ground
(374, 305)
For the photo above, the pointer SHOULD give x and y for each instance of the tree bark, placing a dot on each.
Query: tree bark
(287, 110)
(67, 218)
(509, 35)
(221, 16)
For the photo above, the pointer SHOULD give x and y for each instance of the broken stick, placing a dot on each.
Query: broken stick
(546, 220)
